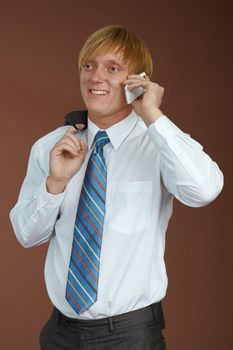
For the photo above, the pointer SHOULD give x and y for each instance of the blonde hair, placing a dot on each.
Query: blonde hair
(117, 39)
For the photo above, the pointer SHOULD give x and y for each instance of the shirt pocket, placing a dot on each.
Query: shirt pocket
(130, 207)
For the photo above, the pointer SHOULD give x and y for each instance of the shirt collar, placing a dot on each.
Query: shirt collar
(116, 133)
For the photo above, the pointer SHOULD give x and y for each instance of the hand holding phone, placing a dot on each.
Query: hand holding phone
(135, 93)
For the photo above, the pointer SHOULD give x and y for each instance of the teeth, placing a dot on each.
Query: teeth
(99, 92)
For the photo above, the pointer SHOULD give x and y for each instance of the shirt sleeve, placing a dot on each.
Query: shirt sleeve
(34, 215)
(187, 171)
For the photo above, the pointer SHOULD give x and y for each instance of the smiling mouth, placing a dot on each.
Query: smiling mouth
(98, 92)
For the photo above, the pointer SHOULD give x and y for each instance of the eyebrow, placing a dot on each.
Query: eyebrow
(116, 62)
(111, 61)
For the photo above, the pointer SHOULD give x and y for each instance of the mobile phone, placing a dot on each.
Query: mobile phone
(135, 93)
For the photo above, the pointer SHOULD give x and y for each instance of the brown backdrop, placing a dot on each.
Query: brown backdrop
(190, 42)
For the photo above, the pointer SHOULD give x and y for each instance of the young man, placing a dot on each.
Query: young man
(103, 197)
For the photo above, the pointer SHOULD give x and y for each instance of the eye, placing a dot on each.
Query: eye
(87, 66)
(114, 69)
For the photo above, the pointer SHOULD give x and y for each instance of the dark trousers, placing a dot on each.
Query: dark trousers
(136, 330)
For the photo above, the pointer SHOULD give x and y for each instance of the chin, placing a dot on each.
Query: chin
(104, 111)
(97, 113)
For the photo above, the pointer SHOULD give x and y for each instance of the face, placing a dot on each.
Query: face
(102, 89)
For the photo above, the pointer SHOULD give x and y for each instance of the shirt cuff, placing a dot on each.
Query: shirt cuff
(48, 200)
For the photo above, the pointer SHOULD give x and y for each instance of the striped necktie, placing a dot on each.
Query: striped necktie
(83, 274)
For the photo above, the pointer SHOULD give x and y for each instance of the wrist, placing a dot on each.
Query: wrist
(54, 186)
(151, 116)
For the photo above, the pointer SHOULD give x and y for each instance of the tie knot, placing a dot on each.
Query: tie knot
(101, 138)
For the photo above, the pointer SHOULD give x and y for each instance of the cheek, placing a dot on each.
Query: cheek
(122, 91)
(118, 88)
(83, 84)
(83, 79)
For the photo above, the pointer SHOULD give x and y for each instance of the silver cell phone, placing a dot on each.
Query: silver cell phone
(135, 93)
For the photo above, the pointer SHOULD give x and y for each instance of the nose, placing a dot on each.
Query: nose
(98, 75)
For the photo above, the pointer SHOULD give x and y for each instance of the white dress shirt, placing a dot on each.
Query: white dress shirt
(147, 168)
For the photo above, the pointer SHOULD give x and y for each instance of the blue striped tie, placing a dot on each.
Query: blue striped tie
(83, 274)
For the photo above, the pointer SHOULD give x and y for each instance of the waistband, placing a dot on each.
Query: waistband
(152, 313)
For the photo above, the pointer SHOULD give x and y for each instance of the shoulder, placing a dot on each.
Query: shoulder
(52, 137)
(47, 141)
(39, 155)
(140, 127)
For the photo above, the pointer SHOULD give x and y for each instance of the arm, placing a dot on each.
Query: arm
(35, 214)
(187, 171)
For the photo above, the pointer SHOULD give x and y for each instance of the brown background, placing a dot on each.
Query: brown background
(191, 46)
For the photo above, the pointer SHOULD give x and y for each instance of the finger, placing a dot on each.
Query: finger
(135, 76)
(133, 80)
(82, 145)
(79, 146)
(72, 138)
(71, 131)
(139, 84)
(79, 126)
(69, 139)
(66, 146)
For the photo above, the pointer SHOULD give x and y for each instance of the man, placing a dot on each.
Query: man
(103, 197)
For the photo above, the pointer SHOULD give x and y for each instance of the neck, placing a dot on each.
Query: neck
(105, 121)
